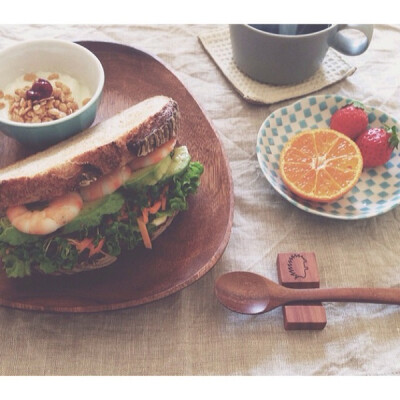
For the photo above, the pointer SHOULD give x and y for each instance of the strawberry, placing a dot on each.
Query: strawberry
(351, 120)
(377, 144)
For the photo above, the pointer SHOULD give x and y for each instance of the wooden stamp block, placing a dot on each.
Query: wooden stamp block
(300, 270)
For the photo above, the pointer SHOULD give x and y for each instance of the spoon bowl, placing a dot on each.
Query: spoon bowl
(243, 292)
(249, 293)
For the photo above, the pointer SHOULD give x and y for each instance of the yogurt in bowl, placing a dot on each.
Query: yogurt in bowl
(76, 77)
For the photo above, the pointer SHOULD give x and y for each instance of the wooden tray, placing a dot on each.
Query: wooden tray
(192, 244)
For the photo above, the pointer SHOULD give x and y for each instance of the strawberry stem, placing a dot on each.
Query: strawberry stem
(358, 104)
(393, 139)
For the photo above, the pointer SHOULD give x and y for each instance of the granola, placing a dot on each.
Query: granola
(23, 107)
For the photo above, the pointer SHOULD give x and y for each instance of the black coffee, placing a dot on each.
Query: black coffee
(291, 29)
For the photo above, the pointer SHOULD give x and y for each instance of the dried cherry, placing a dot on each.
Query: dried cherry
(41, 89)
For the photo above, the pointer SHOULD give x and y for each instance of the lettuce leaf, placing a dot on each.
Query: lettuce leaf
(12, 236)
(184, 185)
(48, 254)
(120, 235)
(15, 267)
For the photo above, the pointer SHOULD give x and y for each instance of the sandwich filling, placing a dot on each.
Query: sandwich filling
(120, 211)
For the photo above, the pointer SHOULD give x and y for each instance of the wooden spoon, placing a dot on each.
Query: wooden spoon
(249, 293)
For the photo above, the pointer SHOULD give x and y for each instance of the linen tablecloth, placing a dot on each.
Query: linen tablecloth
(190, 333)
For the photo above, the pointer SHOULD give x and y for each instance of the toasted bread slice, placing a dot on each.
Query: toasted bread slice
(92, 153)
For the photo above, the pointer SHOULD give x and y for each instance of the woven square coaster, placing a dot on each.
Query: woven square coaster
(217, 43)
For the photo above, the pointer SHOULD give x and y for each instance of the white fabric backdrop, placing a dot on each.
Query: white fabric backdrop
(190, 333)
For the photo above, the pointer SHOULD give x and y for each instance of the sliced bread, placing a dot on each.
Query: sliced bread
(92, 153)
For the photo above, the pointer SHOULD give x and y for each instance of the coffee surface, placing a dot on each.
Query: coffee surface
(290, 29)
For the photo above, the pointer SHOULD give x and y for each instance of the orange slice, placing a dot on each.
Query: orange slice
(320, 164)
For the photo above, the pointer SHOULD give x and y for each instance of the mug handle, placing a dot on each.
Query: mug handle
(351, 47)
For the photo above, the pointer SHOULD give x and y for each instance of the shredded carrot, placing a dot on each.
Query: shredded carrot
(165, 190)
(155, 207)
(145, 214)
(87, 243)
(144, 232)
(150, 210)
(97, 249)
(83, 244)
(164, 198)
(163, 202)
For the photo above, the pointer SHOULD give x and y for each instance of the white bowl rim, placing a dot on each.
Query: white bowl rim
(80, 110)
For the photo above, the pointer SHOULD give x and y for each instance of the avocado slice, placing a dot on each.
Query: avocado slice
(163, 170)
(180, 161)
(93, 211)
(148, 176)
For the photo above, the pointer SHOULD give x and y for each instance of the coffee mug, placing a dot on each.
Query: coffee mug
(289, 53)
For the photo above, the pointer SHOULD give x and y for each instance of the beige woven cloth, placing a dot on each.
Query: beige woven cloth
(190, 333)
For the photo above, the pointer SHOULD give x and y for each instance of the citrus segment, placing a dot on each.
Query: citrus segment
(342, 177)
(297, 156)
(320, 164)
(303, 174)
(325, 185)
(306, 145)
(324, 141)
(343, 148)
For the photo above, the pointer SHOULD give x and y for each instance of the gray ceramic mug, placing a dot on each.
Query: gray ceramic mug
(289, 54)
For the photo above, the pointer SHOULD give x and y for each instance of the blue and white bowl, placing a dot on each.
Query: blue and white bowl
(378, 189)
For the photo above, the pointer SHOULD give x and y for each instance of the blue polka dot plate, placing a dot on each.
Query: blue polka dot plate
(378, 189)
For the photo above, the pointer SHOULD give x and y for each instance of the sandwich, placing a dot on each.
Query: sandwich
(77, 205)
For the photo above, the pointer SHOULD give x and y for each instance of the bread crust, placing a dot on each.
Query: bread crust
(84, 168)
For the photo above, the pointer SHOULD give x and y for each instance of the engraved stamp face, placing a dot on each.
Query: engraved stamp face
(297, 266)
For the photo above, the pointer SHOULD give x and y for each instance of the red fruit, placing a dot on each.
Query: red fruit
(377, 144)
(351, 120)
(41, 89)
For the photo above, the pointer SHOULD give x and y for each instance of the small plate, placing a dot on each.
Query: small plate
(378, 189)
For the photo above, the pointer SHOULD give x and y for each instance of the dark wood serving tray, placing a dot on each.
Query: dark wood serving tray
(192, 244)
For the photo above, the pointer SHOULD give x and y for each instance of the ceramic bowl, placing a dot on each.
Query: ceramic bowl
(58, 56)
(378, 189)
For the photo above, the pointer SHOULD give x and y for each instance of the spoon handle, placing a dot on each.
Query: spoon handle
(358, 295)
